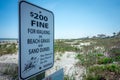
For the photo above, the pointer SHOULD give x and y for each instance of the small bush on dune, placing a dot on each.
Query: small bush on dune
(91, 77)
(61, 46)
(10, 69)
(108, 71)
(67, 77)
(8, 48)
(105, 60)
(99, 55)
(114, 53)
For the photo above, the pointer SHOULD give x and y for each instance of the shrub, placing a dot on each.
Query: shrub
(91, 77)
(87, 59)
(117, 58)
(8, 48)
(67, 77)
(61, 46)
(108, 72)
(10, 69)
(113, 68)
(114, 52)
(105, 60)
(99, 55)
(81, 58)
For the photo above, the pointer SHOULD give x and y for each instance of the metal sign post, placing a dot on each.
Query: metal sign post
(36, 40)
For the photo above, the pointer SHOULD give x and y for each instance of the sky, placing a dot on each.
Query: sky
(73, 18)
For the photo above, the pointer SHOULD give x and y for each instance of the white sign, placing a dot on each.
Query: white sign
(58, 75)
(36, 39)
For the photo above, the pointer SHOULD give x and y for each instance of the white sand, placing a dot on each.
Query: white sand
(67, 61)
(9, 58)
(9, 61)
